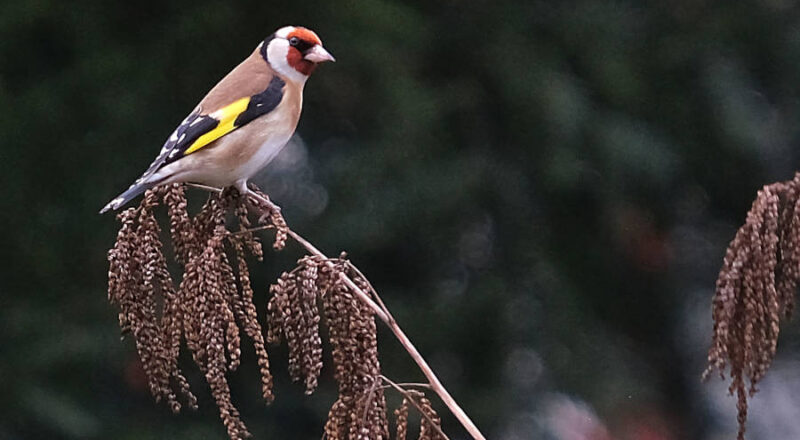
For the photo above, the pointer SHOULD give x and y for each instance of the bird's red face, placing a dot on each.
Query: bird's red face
(294, 52)
(305, 51)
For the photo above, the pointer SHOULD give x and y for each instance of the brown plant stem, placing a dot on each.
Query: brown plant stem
(408, 385)
(383, 313)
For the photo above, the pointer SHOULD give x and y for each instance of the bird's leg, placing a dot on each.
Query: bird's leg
(241, 185)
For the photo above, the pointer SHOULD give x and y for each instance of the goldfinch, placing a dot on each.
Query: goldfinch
(243, 122)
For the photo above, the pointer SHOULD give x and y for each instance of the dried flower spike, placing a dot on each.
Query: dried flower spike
(214, 304)
(755, 290)
(208, 310)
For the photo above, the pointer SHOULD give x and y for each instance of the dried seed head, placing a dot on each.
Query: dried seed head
(180, 225)
(208, 292)
(294, 314)
(430, 424)
(275, 219)
(211, 305)
(360, 410)
(245, 311)
(755, 290)
(214, 303)
(247, 237)
(353, 337)
(401, 421)
(138, 275)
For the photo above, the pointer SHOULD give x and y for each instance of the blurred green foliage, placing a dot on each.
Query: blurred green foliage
(540, 190)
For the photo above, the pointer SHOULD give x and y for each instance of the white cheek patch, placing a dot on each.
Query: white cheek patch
(277, 51)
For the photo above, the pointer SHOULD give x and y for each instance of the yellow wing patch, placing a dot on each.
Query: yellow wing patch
(226, 117)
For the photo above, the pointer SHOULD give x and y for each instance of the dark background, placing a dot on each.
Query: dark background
(541, 191)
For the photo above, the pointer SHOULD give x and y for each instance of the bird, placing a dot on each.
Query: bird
(243, 121)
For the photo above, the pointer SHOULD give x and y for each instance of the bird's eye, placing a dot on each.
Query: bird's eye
(294, 41)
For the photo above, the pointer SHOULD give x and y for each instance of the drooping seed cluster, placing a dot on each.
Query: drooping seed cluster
(430, 424)
(274, 219)
(430, 421)
(294, 315)
(360, 410)
(401, 421)
(137, 276)
(212, 304)
(755, 290)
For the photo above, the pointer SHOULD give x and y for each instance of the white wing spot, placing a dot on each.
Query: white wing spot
(168, 145)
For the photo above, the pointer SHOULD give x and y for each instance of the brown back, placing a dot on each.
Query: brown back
(250, 77)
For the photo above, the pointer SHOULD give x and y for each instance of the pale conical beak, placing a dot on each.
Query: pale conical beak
(318, 54)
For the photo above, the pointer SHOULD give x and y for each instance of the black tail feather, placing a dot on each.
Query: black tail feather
(127, 196)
